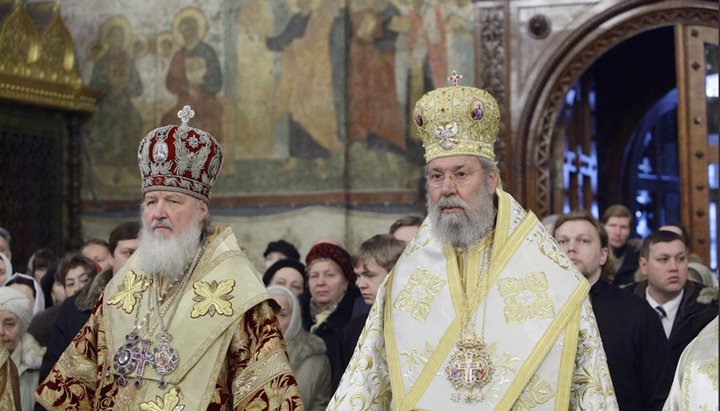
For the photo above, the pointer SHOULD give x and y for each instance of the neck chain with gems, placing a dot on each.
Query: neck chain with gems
(470, 366)
(163, 358)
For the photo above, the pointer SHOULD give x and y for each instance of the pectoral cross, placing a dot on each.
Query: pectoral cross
(141, 356)
(470, 367)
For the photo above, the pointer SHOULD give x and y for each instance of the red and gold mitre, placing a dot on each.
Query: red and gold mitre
(457, 121)
(180, 158)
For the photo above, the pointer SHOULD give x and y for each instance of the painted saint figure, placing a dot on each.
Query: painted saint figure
(117, 121)
(194, 74)
(305, 92)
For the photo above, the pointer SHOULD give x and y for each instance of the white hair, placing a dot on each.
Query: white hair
(170, 257)
(478, 217)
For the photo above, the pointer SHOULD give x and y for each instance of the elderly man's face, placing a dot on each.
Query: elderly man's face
(460, 176)
(460, 199)
(168, 214)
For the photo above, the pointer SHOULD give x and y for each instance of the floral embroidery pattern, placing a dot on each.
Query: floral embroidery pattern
(526, 298)
(417, 296)
(129, 292)
(547, 245)
(414, 361)
(538, 391)
(169, 402)
(212, 298)
(710, 370)
(421, 239)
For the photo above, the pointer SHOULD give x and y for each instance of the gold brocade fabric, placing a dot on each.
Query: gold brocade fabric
(231, 351)
(9, 382)
(255, 375)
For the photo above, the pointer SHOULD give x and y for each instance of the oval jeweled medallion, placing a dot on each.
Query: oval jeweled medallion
(160, 152)
(166, 358)
(469, 370)
(123, 362)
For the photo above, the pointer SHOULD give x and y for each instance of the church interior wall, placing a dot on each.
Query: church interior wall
(311, 99)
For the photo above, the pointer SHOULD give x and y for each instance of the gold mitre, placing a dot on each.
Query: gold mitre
(457, 121)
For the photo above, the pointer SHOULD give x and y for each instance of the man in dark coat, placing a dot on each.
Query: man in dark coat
(684, 307)
(617, 222)
(631, 332)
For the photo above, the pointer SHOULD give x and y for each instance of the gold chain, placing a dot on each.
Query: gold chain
(482, 281)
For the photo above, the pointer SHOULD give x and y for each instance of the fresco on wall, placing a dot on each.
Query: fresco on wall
(116, 76)
(306, 96)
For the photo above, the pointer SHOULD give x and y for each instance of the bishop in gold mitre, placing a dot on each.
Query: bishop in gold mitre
(483, 310)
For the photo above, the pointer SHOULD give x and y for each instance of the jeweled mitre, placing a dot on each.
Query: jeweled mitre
(180, 158)
(457, 121)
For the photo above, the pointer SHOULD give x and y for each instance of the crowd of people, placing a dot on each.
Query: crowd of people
(478, 305)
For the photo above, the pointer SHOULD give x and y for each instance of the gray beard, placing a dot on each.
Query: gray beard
(169, 257)
(468, 227)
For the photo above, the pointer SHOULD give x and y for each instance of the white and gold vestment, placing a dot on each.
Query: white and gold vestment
(530, 309)
(695, 386)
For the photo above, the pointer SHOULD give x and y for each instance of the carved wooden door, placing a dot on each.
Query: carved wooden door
(698, 112)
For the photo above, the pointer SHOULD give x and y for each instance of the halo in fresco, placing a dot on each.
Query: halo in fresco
(193, 13)
(116, 21)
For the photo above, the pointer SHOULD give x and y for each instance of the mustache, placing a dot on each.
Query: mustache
(160, 224)
(445, 202)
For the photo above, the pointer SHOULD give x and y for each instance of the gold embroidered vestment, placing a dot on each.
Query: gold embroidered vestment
(231, 351)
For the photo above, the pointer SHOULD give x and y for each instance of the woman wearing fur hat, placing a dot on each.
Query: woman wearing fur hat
(26, 353)
(306, 351)
(332, 301)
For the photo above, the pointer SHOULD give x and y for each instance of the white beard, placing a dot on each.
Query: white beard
(467, 227)
(169, 257)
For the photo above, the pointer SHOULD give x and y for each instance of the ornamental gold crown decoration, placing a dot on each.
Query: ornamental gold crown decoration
(180, 158)
(457, 121)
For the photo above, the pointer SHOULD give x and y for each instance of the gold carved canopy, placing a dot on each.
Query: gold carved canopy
(37, 58)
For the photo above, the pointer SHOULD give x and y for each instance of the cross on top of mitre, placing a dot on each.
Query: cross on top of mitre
(455, 77)
(185, 115)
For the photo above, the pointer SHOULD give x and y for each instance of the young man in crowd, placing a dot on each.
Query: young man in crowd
(617, 222)
(684, 307)
(372, 263)
(630, 329)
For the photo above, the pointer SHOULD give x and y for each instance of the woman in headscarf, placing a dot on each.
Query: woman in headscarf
(306, 351)
(332, 299)
(5, 268)
(30, 287)
(26, 353)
